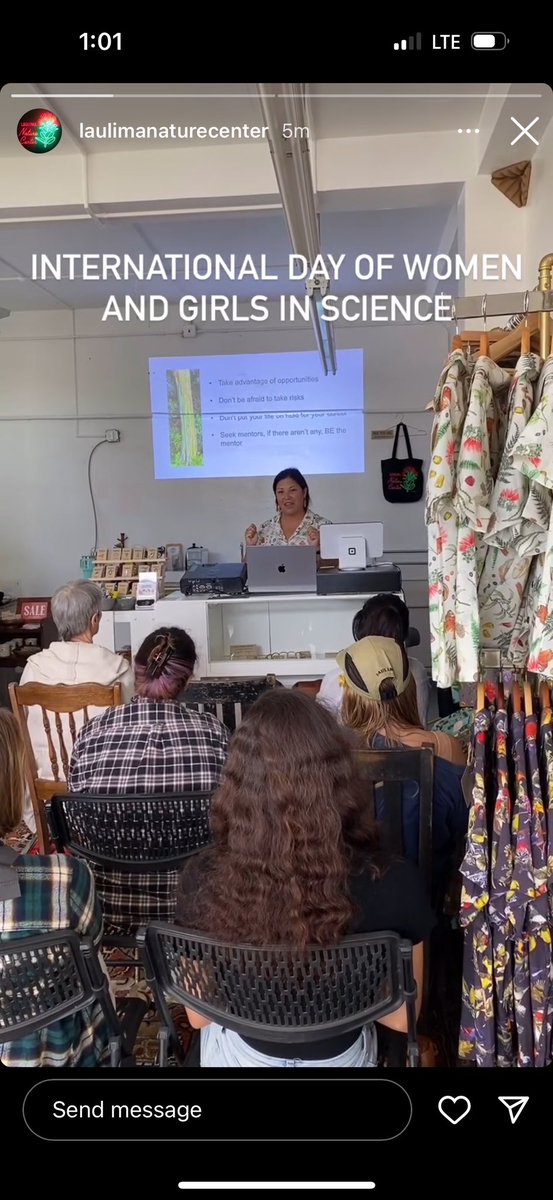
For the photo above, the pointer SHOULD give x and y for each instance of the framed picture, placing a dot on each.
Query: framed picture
(152, 553)
(115, 554)
(175, 558)
(111, 571)
(128, 570)
(98, 572)
(137, 553)
(126, 554)
(101, 555)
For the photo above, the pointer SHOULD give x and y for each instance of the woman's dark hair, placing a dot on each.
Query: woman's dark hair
(385, 615)
(164, 663)
(291, 822)
(293, 473)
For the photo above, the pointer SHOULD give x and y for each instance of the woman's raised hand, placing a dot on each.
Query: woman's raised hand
(313, 538)
(252, 536)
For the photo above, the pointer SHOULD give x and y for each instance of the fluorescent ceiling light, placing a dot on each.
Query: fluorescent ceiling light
(292, 166)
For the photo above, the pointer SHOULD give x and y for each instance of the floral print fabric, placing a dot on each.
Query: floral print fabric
(479, 455)
(489, 514)
(450, 407)
(477, 1034)
(506, 903)
(533, 455)
(272, 534)
(506, 568)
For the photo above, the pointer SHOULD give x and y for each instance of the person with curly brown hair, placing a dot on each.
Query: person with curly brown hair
(296, 862)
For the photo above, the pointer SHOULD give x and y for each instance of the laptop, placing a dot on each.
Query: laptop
(281, 569)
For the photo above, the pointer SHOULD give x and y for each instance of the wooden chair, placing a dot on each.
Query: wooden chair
(60, 700)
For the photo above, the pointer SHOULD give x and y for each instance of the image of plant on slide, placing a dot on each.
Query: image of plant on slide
(185, 418)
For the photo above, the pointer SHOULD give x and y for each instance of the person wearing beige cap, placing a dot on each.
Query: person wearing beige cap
(380, 698)
(380, 704)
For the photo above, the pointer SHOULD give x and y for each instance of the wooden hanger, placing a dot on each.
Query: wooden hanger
(519, 338)
(516, 698)
(528, 700)
(545, 695)
(480, 697)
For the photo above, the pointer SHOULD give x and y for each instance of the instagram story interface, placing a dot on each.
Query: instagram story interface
(276, 401)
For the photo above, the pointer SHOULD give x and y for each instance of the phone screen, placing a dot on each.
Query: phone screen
(229, 317)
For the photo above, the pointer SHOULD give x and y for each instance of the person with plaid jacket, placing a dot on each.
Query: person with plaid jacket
(152, 744)
(38, 894)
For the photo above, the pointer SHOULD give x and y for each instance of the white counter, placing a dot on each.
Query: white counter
(274, 625)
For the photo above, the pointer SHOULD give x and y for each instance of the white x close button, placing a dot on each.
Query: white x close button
(524, 131)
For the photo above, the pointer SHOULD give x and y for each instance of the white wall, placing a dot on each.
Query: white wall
(48, 377)
(538, 212)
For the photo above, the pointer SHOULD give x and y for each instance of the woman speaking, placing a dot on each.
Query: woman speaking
(294, 523)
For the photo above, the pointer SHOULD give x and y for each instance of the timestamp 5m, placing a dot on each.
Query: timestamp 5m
(295, 131)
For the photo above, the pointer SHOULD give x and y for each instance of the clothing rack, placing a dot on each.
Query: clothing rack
(504, 305)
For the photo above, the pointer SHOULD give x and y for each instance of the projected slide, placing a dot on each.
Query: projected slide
(252, 414)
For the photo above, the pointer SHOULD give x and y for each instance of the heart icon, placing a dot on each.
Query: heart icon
(459, 1108)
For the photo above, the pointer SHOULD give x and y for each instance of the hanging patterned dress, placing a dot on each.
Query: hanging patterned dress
(477, 1031)
(533, 456)
(520, 892)
(478, 463)
(504, 575)
(450, 406)
(538, 926)
(546, 762)
(501, 869)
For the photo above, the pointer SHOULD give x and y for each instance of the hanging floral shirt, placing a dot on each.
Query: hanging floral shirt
(533, 455)
(504, 574)
(450, 406)
(479, 456)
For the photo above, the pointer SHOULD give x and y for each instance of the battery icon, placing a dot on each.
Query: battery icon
(489, 41)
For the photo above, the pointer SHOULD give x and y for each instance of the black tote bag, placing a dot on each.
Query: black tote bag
(402, 478)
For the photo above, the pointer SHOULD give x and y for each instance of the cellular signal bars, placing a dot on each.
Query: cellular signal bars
(414, 42)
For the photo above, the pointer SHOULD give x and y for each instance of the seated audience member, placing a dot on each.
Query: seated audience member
(39, 894)
(387, 616)
(295, 861)
(380, 703)
(76, 611)
(152, 744)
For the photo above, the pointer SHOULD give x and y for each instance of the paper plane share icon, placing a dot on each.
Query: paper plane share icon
(514, 1105)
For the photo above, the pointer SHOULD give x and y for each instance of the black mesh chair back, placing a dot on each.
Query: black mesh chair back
(386, 772)
(228, 700)
(278, 994)
(132, 833)
(124, 836)
(51, 976)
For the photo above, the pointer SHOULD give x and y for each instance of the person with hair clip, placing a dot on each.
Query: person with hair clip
(380, 704)
(296, 862)
(38, 894)
(152, 744)
(294, 523)
(385, 615)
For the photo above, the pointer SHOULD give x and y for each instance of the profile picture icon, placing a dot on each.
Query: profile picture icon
(39, 130)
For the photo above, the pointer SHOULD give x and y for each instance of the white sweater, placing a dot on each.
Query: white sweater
(71, 663)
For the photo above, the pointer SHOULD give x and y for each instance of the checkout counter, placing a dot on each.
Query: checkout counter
(294, 637)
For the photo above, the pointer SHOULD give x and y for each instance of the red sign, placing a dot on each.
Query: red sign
(34, 609)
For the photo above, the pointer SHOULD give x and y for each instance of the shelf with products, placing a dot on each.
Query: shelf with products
(118, 570)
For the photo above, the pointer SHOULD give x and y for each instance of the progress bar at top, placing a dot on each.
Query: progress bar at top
(189, 1185)
(410, 43)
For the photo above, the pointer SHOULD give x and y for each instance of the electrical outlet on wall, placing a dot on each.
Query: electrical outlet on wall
(113, 435)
